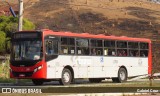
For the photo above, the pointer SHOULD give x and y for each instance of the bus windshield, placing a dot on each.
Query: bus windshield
(27, 50)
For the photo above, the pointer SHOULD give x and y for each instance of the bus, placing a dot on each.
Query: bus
(45, 55)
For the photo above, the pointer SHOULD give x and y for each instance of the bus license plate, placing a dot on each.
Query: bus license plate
(21, 75)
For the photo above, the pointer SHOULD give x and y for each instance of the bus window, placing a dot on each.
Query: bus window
(99, 43)
(82, 42)
(133, 53)
(144, 53)
(82, 51)
(144, 49)
(67, 45)
(71, 50)
(51, 47)
(122, 52)
(109, 48)
(93, 43)
(96, 47)
(93, 51)
(121, 44)
(96, 43)
(99, 51)
(64, 50)
(82, 46)
(109, 44)
(64, 41)
(96, 51)
(111, 52)
(143, 45)
(133, 45)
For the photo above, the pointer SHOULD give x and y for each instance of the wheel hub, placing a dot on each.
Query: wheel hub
(66, 77)
(122, 76)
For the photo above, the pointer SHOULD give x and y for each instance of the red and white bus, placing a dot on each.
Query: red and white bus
(47, 55)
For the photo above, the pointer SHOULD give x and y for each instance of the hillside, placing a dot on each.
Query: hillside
(134, 18)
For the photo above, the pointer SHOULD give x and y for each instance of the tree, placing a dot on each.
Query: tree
(9, 24)
(2, 41)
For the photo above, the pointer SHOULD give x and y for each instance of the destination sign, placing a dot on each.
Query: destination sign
(26, 35)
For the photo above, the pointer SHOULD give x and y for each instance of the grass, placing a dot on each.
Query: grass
(4, 73)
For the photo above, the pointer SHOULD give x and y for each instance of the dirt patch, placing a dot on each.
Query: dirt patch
(141, 13)
(135, 25)
(90, 17)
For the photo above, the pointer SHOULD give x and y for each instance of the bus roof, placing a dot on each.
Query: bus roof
(87, 35)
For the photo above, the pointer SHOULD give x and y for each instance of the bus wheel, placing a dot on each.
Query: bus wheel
(95, 80)
(37, 81)
(122, 75)
(66, 77)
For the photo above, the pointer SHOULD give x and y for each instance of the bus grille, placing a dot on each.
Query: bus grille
(26, 74)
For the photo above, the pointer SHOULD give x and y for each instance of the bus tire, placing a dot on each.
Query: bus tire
(37, 81)
(122, 75)
(66, 77)
(95, 80)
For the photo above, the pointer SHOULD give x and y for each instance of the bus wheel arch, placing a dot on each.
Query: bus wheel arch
(67, 70)
(122, 75)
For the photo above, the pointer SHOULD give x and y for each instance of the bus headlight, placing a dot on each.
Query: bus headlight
(38, 68)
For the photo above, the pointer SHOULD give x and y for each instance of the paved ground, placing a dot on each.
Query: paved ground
(82, 84)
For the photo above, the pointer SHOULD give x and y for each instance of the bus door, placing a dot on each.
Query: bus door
(51, 54)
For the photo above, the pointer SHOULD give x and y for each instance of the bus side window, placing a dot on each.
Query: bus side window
(64, 50)
(99, 51)
(121, 44)
(106, 51)
(111, 52)
(67, 45)
(144, 53)
(96, 47)
(121, 52)
(144, 45)
(82, 46)
(144, 49)
(51, 47)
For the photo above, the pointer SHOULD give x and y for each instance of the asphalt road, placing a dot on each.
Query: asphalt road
(84, 87)
(82, 83)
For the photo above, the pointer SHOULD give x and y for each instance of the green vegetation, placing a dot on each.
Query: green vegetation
(2, 41)
(9, 24)
(4, 73)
